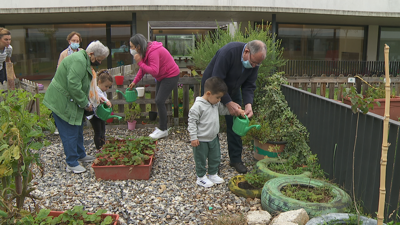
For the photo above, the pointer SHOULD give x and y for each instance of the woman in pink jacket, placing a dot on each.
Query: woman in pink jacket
(154, 59)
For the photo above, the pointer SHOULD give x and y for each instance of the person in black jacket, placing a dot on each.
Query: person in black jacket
(237, 64)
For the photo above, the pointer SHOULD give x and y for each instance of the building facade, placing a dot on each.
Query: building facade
(352, 30)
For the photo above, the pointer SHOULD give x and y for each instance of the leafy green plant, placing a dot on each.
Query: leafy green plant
(21, 137)
(72, 216)
(132, 113)
(207, 47)
(308, 194)
(279, 123)
(255, 178)
(359, 101)
(128, 151)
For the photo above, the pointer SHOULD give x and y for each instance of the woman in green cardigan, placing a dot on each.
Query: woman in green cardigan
(68, 97)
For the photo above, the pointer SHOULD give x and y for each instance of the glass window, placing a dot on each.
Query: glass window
(120, 53)
(178, 45)
(391, 37)
(36, 48)
(320, 42)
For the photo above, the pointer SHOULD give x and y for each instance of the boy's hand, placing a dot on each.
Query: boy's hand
(108, 103)
(195, 143)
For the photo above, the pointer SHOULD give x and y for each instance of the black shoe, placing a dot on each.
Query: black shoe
(240, 168)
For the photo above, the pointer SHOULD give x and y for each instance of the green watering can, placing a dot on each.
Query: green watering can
(130, 95)
(104, 112)
(241, 125)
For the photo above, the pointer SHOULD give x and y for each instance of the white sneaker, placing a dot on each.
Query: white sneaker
(56, 132)
(155, 131)
(215, 179)
(76, 169)
(157, 134)
(204, 181)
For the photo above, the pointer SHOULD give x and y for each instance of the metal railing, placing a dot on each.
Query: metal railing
(319, 67)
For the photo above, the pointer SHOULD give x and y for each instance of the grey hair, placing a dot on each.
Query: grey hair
(98, 49)
(257, 46)
(140, 40)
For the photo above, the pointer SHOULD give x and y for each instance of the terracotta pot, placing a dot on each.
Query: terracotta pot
(268, 149)
(380, 110)
(114, 216)
(121, 172)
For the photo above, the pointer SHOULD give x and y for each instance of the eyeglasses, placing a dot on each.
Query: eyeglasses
(253, 63)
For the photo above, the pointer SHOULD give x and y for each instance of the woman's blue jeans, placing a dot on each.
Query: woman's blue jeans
(72, 139)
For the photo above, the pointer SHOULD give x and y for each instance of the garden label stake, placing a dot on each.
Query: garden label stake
(385, 145)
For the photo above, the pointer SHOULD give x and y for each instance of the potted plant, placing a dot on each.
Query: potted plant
(72, 216)
(122, 159)
(131, 113)
(279, 125)
(21, 137)
(376, 98)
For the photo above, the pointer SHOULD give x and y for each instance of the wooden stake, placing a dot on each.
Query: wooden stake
(385, 145)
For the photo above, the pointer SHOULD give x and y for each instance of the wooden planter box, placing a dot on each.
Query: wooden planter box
(114, 216)
(121, 172)
(380, 110)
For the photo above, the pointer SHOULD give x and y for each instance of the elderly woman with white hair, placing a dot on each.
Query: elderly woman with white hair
(68, 97)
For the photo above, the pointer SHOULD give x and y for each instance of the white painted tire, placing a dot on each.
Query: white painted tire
(342, 218)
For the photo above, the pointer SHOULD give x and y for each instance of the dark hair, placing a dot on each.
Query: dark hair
(104, 75)
(141, 41)
(70, 35)
(215, 85)
(4, 31)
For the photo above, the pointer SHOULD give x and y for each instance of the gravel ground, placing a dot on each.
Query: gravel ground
(170, 196)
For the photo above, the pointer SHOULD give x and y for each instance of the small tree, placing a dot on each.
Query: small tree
(213, 41)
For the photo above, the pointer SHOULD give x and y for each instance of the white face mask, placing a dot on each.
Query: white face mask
(133, 52)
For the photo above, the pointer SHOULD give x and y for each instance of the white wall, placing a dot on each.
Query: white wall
(301, 6)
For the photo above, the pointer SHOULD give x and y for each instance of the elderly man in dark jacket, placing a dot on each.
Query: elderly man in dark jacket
(237, 64)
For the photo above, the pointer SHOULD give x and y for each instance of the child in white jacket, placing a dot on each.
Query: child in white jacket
(203, 126)
(104, 82)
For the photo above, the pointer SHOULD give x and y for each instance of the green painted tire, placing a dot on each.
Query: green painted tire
(272, 200)
(262, 166)
(233, 186)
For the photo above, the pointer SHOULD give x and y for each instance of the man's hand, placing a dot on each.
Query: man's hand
(132, 85)
(248, 110)
(234, 108)
(195, 143)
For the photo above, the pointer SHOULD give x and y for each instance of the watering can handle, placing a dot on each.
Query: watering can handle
(133, 89)
(241, 117)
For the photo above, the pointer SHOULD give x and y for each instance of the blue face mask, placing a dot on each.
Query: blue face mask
(247, 64)
(74, 46)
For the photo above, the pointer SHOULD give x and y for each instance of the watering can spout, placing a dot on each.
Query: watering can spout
(255, 126)
(114, 116)
(118, 91)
